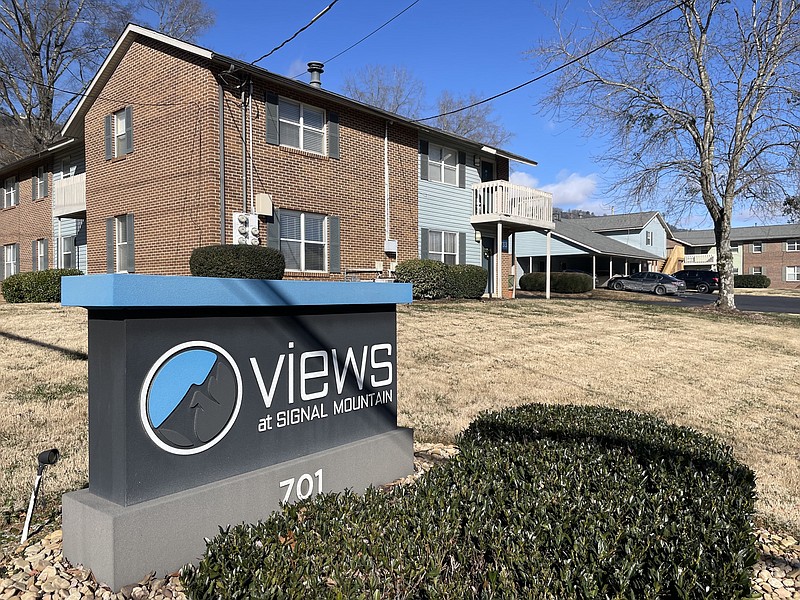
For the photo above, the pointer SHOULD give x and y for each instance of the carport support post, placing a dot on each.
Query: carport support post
(547, 268)
(513, 266)
(594, 270)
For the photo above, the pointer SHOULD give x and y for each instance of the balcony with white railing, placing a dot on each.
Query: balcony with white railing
(516, 206)
(69, 196)
(700, 259)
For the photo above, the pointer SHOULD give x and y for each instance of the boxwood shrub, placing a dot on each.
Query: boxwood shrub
(466, 281)
(560, 283)
(751, 281)
(242, 261)
(543, 502)
(36, 286)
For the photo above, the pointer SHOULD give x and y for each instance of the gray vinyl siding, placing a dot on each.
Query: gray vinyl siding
(76, 158)
(638, 238)
(534, 243)
(444, 207)
(69, 227)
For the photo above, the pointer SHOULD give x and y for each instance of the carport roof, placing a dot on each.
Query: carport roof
(572, 230)
(705, 237)
(622, 222)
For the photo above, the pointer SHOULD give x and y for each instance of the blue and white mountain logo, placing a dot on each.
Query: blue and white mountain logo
(191, 397)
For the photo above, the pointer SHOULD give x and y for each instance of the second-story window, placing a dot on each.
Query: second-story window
(757, 247)
(648, 238)
(119, 133)
(39, 183)
(302, 126)
(442, 163)
(10, 192)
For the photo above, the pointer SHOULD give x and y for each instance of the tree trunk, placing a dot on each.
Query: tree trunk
(722, 233)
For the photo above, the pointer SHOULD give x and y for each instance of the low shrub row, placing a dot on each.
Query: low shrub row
(432, 279)
(36, 286)
(543, 502)
(751, 281)
(242, 261)
(560, 283)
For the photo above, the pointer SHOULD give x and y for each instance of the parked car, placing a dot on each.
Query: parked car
(702, 281)
(648, 281)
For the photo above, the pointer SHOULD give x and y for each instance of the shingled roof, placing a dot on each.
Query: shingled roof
(572, 230)
(705, 237)
(622, 222)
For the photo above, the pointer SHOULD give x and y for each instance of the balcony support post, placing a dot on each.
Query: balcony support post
(499, 261)
(547, 267)
(594, 271)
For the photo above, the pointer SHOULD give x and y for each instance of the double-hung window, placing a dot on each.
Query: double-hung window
(10, 192)
(10, 260)
(119, 133)
(442, 164)
(793, 246)
(301, 126)
(757, 247)
(40, 257)
(443, 246)
(756, 270)
(39, 184)
(304, 240)
(648, 238)
(792, 273)
(121, 243)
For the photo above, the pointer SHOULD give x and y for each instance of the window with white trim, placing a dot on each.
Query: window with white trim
(758, 248)
(301, 126)
(10, 260)
(119, 133)
(39, 184)
(734, 247)
(41, 255)
(442, 164)
(648, 238)
(68, 169)
(756, 270)
(121, 243)
(793, 246)
(443, 246)
(67, 252)
(792, 273)
(10, 192)
(304, 241)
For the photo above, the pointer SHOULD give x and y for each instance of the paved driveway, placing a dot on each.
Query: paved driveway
(774, 304)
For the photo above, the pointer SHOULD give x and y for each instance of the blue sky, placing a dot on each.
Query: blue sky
(458, 45)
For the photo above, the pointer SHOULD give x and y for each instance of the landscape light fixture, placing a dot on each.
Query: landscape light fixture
(48, 457)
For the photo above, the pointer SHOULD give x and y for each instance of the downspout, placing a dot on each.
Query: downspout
(250, 157)
(221, 115)
(244, 151)
(386, 211)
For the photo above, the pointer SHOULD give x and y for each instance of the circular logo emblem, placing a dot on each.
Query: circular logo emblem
(191, 397)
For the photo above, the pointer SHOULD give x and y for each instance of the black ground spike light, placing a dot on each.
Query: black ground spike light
(48, 457)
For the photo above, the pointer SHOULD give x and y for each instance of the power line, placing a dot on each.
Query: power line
(298, 32)
(556, 69)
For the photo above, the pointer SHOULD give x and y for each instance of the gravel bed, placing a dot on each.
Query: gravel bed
(38, 570)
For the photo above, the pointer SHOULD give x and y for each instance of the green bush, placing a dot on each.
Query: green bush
(560, 283)
(466, 281)
(543, 502)
(428, 277)
(751, 281)
(36, 286)
(242, 261)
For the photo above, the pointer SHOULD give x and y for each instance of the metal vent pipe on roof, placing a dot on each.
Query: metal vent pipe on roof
(315, 68)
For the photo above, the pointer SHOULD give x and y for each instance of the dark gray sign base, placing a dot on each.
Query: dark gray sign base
(122, 544)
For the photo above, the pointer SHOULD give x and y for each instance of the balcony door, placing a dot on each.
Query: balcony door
(487, 171)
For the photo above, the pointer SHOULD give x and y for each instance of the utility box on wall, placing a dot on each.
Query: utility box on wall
(213, 400)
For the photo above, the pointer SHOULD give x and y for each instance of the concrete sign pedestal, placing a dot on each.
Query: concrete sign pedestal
(213, 400)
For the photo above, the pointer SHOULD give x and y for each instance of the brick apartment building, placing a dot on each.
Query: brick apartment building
(172, 143)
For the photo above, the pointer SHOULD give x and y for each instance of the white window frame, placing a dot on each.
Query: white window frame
(442, 254)
(793, 273)
(793, 245)
(39, 184)
(305, 242)
(441, 165)
(757, 248)
(120, 247)
(10, 252)
(756, 270)
(10, 192)
(67, 168)
(303, 126)
(648, 238)
(41, 255)
(734, 247)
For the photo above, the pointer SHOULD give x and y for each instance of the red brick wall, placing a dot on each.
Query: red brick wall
(29, 220)
(170, 182)
(773, 260)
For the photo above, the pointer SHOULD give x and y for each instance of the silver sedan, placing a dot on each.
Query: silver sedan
(648, 281)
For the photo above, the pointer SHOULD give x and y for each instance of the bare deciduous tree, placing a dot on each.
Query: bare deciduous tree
(699, 106)
(475, 123)
(182, 19)
(393, 89)
(50, 49)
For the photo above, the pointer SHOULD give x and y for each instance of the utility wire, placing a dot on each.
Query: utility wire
(298, 32)
(556, 69)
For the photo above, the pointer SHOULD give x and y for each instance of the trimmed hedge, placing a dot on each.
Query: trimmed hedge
(543, 502)
(36, 286)
(242, 261)
(432, 279)
(466, 281)
(751, 281)
(560, 283)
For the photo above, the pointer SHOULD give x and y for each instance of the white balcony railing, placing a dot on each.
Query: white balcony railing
(504, 201)
(699, 259)
(69, 195)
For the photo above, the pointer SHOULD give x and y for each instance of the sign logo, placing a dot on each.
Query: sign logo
(191, 398)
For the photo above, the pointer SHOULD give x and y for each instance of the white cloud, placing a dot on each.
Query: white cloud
(571, 190)
(522, 178)
(298, 66)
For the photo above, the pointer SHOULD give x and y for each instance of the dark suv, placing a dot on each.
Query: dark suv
(702, 281)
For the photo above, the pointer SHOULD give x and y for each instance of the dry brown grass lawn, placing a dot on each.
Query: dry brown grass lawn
(730, 377)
